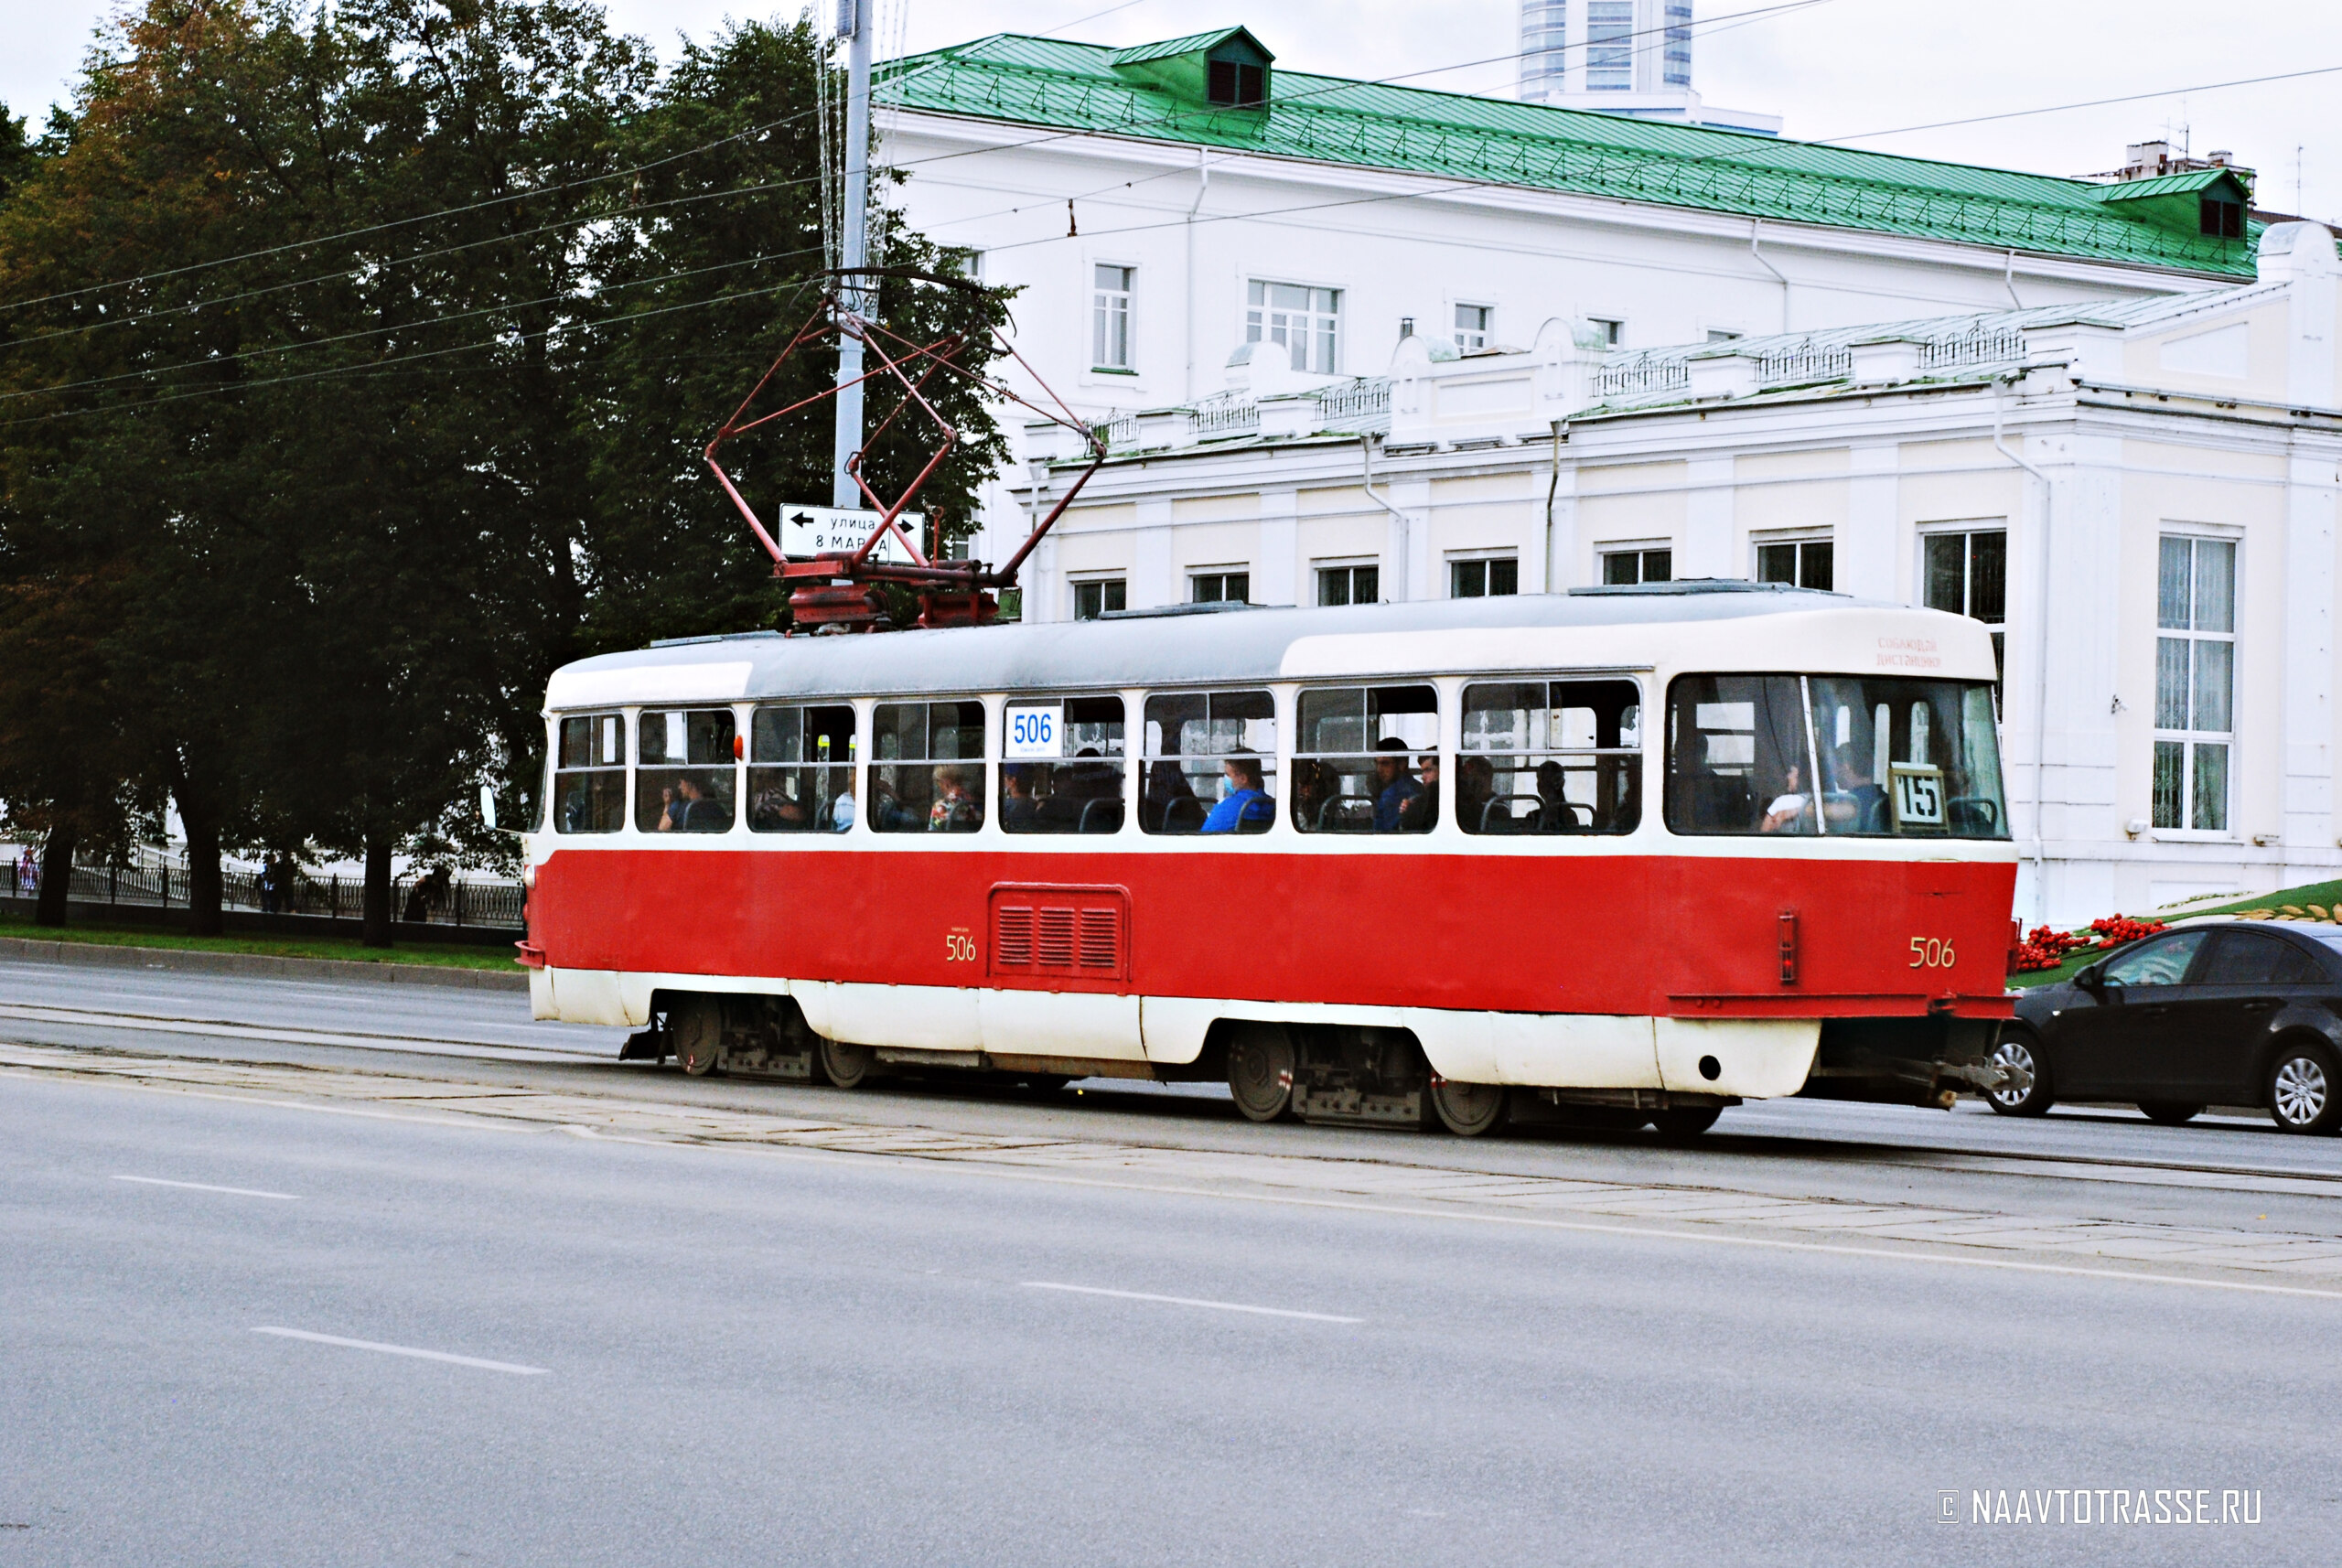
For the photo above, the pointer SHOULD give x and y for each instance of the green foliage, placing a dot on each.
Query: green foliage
(355, 366)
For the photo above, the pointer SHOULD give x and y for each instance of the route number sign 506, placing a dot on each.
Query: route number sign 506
(1034, 732)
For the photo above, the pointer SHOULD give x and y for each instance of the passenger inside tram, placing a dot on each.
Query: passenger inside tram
(1395, 788)
(1787, 808)
(1246, 807)
(955, 809)
(1475, 785)
(1419, 813)
(685, 807)
(1554, 814)
(1170, 799)
(1020, 812)
(842, 807)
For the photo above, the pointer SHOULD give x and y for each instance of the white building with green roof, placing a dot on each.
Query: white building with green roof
(1163, 205)
(2138, 494)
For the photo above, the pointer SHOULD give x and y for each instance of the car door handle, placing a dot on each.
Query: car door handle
(2155, 1009)
(2261, 1006)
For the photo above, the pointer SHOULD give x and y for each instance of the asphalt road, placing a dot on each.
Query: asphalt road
(681, 1353)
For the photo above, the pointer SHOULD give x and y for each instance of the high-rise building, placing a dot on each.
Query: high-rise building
(1621, 56)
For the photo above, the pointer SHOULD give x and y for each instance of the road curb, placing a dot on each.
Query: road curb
(106, 956)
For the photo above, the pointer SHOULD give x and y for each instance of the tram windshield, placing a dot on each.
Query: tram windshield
(1833, 755)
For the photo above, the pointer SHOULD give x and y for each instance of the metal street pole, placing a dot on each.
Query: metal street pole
(854, 24)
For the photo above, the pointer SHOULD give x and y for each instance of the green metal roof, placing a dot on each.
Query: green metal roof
(1053, 84)
(2167, 184)
(1172, 49)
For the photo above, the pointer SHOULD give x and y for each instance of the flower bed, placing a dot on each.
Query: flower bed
(2046, 946)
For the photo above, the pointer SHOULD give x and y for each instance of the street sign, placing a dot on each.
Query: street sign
(806, 531)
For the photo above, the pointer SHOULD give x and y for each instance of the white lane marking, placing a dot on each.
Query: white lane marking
(1191, 1301)
(484, 1366)
(817, 1156)
(207, 1186)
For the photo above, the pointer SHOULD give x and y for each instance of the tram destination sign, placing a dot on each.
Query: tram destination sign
(809, 531)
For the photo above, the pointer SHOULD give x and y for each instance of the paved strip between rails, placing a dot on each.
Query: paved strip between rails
(233, 1029)
(1750, 1217)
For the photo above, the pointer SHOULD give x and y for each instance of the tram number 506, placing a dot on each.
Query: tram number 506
(1927, 952)
(959, 947)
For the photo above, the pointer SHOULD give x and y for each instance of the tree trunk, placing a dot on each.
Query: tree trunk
(377, 930)
(202, 870)
(55, 878)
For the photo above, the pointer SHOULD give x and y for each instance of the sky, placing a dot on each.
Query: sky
(1832, 69)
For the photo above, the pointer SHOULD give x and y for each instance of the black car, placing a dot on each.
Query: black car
(2240, 1013)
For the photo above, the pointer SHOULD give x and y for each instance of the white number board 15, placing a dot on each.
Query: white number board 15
(1034, 733)
(810, 531)
(1919, 795)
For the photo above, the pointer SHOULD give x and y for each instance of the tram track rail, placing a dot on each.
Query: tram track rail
(2209, 1175)
(2294, 1259)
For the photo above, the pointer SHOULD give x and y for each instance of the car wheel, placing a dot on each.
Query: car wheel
(2169, 1112)
(2019, 1052)
(2305, 1090)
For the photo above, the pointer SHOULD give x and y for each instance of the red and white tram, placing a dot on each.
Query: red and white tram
(1654, 850)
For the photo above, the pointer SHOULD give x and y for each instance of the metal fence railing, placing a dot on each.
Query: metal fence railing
(418, 901)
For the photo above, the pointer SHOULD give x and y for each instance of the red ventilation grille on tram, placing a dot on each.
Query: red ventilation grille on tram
(1060, 934)
(1012, 939)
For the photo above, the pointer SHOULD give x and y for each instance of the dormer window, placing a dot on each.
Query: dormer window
(2220, 218)
(1238, 83)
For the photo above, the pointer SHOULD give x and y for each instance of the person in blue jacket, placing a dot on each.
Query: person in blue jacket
(1246, 807)
(1399, 790)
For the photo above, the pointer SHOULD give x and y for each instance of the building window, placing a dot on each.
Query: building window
(1968, 573)
(2194, 681)
(1679, 43)
(1721, 334)
(1307, 321)
(1350, 584)
(1219, 587)
(1492, 577)
(1625, 568)
(1804, 561)
(1472, 326)
(1235, 83)
(1093, 599)
(1612, 331)
(2220, 218)
(1110, 317)
(1610, 46)
(1544, 30)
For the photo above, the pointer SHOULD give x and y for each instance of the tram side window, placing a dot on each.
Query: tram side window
(1366, 760)
(589, 775)
(1551, 756)
(1212, 763)
(1737, 759)
(684, 776)
(800, 764)
(1064, 766)
(927, 770)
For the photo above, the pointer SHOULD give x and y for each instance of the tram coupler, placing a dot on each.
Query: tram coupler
(1905, 1061)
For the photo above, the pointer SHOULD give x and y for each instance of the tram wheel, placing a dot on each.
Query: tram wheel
(1259, 1070)
(1683, 1126)
(1467, 1110)
(845, 1065)
(698, 1025)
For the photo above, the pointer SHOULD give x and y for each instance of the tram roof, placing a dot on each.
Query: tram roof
(1198, 645)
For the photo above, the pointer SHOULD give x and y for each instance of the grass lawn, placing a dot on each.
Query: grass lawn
(450, 955)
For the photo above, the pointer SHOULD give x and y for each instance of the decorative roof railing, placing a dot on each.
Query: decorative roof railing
(1352, 406)
(1224, 414)
(1643, 372)
(1980, 344)
(1804, 363)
